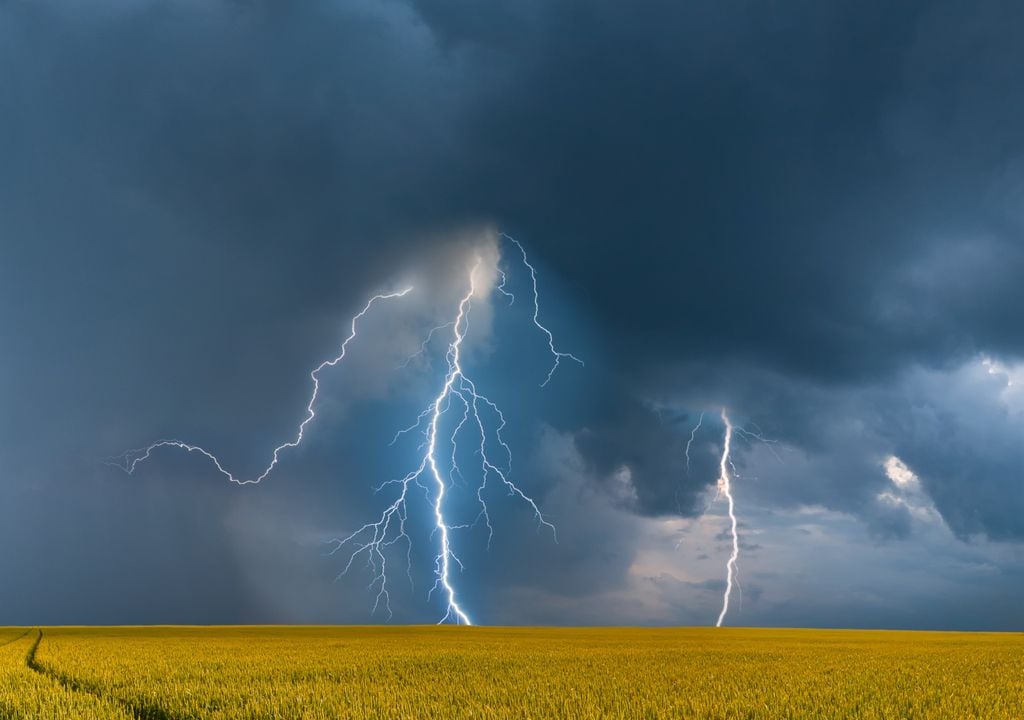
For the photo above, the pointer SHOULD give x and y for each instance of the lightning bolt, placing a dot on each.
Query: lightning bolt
(424, 345)
(725, 487)
(130, 459)
(689, 443)
(726, 473)
(558, 355)
(460, 396)
(458, 393)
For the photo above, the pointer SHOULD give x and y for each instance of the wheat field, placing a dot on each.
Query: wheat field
(455, 672)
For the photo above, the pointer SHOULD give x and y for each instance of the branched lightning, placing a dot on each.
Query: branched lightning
(473, 411)
(129, 460)
(725, 487)
(558, 355)
(424, 345)
(751, 435)
(726, 473)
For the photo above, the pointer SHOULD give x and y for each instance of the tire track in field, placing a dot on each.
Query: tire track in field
(16, 639)
(140, 711)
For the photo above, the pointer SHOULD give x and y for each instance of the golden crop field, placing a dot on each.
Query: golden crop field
(456, 672)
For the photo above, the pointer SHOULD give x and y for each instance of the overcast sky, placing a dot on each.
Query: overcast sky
(809, 213)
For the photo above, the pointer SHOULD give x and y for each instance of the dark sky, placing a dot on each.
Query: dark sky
(807, 212)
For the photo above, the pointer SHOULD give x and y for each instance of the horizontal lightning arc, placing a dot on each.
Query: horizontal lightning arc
(129, 460)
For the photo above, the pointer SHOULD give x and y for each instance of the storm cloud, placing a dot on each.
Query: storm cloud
(809, 213)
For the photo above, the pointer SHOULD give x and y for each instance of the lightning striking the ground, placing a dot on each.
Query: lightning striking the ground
(460, 397)
(725, 487)
(130, 459)
(458, 407)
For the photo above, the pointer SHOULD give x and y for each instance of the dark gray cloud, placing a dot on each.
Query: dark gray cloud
(768, 173)
(810, 214)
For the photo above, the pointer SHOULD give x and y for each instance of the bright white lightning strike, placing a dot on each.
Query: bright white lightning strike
(473, 410)
(477, 412)
(129, 460)
(725, 487)
(726, 472)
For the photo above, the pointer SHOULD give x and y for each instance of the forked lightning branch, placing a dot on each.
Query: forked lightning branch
(430, 482)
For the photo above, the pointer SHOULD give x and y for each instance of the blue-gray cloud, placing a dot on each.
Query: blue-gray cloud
(810, 214)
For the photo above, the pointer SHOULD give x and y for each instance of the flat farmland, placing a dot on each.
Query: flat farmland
(458, 672)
